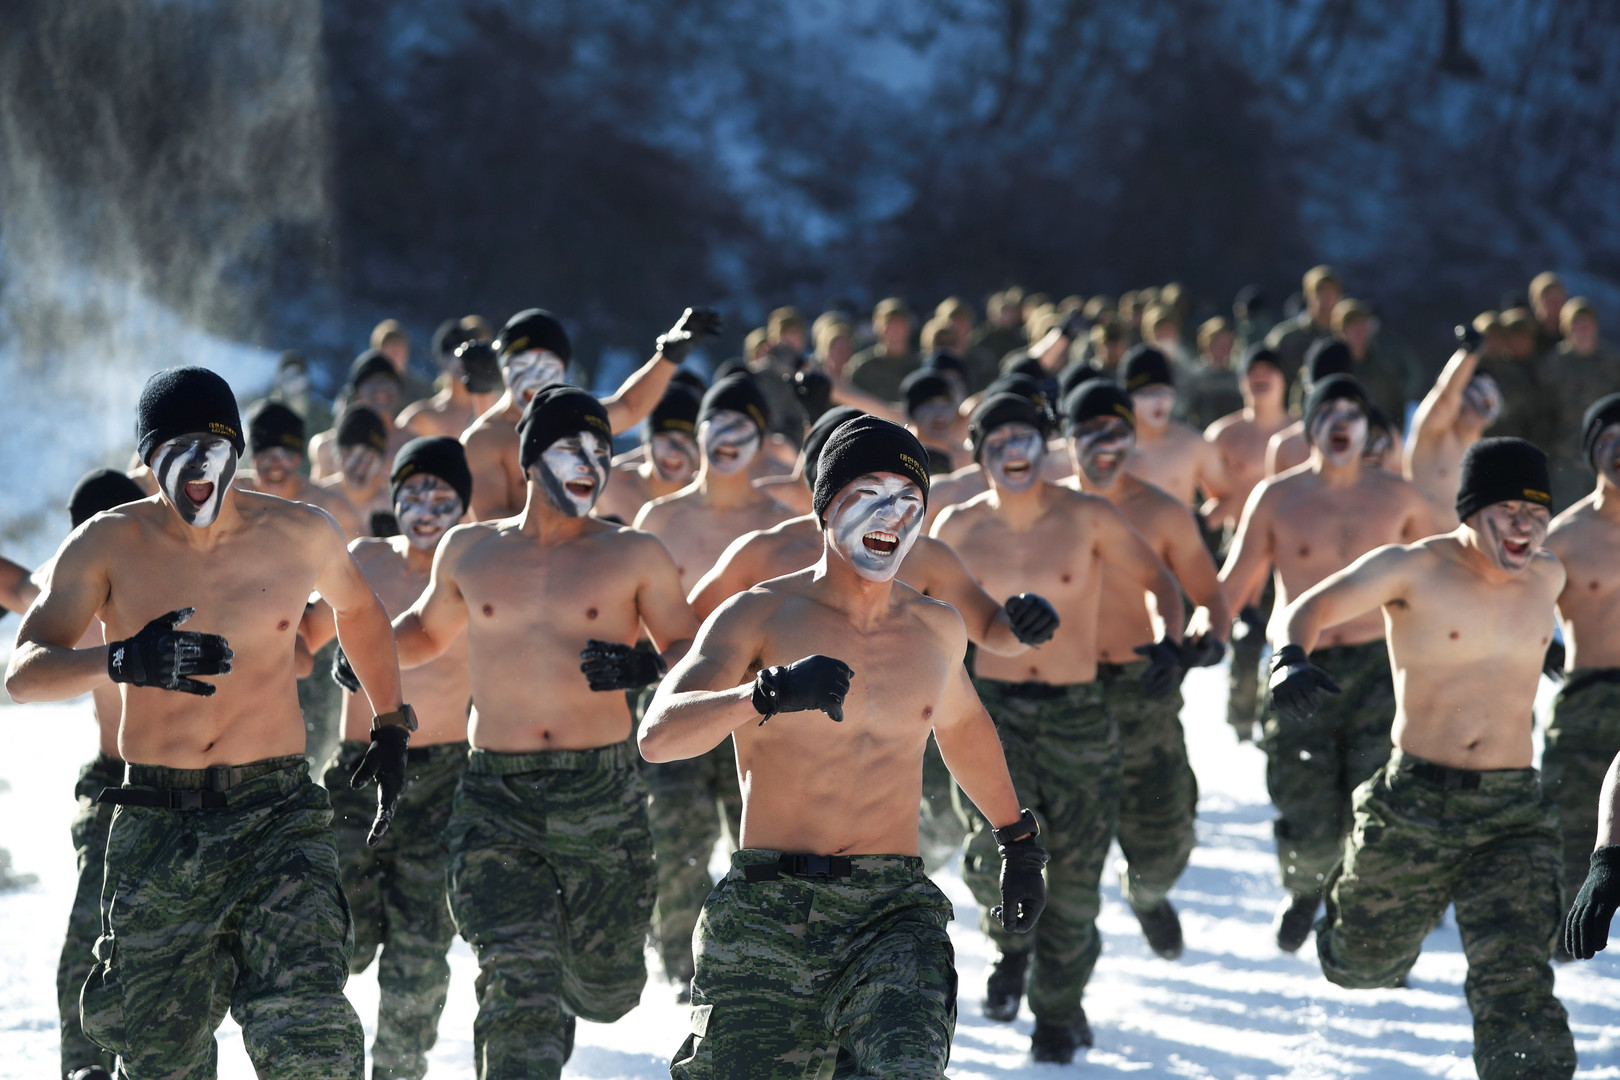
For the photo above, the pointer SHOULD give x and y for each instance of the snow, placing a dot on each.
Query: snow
(1232, 1007)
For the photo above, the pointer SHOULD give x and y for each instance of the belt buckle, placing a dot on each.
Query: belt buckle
(217, 778)
(185, 799)
(818, 866)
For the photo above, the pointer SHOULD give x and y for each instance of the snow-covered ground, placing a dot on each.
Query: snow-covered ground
(1232, 1006)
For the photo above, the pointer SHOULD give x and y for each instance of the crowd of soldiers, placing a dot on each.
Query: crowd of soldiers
(751, 627)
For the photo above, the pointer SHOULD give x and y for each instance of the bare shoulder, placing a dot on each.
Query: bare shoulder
(1220, 427)
(307, 519)
(1578, 518)
(1548, 569)
(942, 620)
(490, 425)
(117, 528)
(665, 507)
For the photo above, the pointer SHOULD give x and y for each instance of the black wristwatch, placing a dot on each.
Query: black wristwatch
(404, 717)
(1025, 828)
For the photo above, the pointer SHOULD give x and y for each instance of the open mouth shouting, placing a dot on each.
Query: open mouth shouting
(881, 543)
(1016, 469)
(1516, 547)
(581, 487)
(199, 491)
(1339, 442)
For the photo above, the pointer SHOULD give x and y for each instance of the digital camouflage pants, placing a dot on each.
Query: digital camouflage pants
(396, 892)
(794, 970)
(1062, 748)
(239, 908)
(552, 884)
(1582, 738)
(89, 831)
(1493, 852)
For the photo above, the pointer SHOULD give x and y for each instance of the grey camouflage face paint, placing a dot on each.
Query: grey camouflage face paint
(426, 508)
(359, 463)
(874, 521)
(1153, 406)
(573, 471)
(1339, 430)
(675, 456)
(935, 418)
(528, 373)
(276, 465)
(1606, 453)
(730, 440)
(1012, 455)
(1512, 532)
(1100, 448)
(1484, 398)
(194, 471)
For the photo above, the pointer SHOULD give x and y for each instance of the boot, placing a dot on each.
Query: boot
(1293, 922)
(1005, 987)
(1058, 1042)
(1162, 928)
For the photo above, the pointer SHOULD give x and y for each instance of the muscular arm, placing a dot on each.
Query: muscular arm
(317, 627)
(1194, 567)
(725, 578)
(638, 395)
(45, 666)
(663, 609)
(1373, 580)
(705, 697)
(972, 751)
(1249, 559)
(1124, 549)
(949, 581)
(490, 496)
(1609, 807)
(1438, 410)
(17, 586)
(425, 629)
(363, 629)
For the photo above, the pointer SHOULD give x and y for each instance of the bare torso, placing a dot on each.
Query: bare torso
(441, 414)
(1176, 461)
(492, 455)
(1287, 449)
(696, 530)
(958, 487)
(1586, 539)
(632, 486)
(330, 499)
(1123, 622)
(1241, 443)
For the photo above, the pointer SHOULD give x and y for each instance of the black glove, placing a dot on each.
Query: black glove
(816, 682)
(693, 326)
(343, 674)
(1164, 670)
(1202, 650)
(163, 657)
(1586, 927)
(611, 666)
(1074, 327)
(384, 524)
(813, 390)
(1295, 682)
(1552, 665)
(1023, 889)
(384, 762)
(1033, 620)
(1249, 623)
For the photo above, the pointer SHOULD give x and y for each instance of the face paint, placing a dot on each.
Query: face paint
(1153, 406)
(874, 521)
(293, 382)
(1100, 448)
(729, 440)
(1484, 399)
(572, 472)
(276, 465)
(935, 418)
(528, 373)
(426, 508)
(1606, 453)
(1012, 455)
(381, 393)
(359, 463)
(194, 471)
(675, 456)
(1378, 443)
(1512, 532)
(1339, 430)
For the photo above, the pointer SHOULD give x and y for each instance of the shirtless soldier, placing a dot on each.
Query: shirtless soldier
(1584, 731)
(551, 876)
(1456, 816)
(1451, 417)
(667, 460)
(826, 939)
(1306, 524)
(220, 855)
(534, 351)
(276, 441)
(1062, 745)
(1159, 798)
(1168, 454)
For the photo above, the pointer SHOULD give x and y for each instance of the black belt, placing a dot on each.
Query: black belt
(1590, 679)
(1107, 671)
(164, 798)
(418, 754)
(1445, 777)
(1033, 691)
(817, 866)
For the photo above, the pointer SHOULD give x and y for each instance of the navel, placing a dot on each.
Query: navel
(283, 624)
(1304, 550)
(590, 613)
(928, 712)
(1066, 578)
(489, 609)
(1592, 585)
(1455, 635)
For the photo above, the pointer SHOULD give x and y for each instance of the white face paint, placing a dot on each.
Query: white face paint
(1012, 455)
(528, 373)
(935, 419)
(1606, 453)
(194, 472)
(729, 440)
(1153, 405)
(1512, 532)
(1379, 441)
(359, 462)
(1100, 448)
(1339, 430)
(573, 471)
(675, 456)
(426, 508)
(293, 382)
(1483, 398)
(873, 522)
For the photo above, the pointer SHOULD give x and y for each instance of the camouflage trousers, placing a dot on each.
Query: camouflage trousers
(1062, 749)
(321, 702)
(89, 832)
(1582, 738)
(239, 908)
(942, 828)
(397, 894)
(1312, 768)
(691, 802)
(1244, 706)
(1492, 851)
(794, 970)
(1159, 793)
(552, 884)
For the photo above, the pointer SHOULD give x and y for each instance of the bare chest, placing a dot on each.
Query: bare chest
(1052, 558)
(516, 591)
(1318, 532)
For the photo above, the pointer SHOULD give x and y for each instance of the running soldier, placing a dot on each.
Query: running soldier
(1452, 416)
(551, 874)
(668, 460)
(1167, 453)
(1061, 742)
(276, 442)
(220, 854)
(1456, 815)
(826, 942)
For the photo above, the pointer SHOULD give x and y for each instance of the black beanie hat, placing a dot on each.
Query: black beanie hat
(867, 444)
(677, 410)
(688, 377)
(1259, 354)
(1019, 362)
(1333, 388)
(369, 363)
(449, 337)
(923, 386)
(435, 455)
(101, 490)
(1502, 470)
(1599, 415)
(534, 328)
(273, 426)
(1075, 376)
(1025, 386)
(1145, 366)
(738, 393)
(817, 436)
(480, 368)
(945, 360)
(361, 426)
(998, 409)
(1328, 356)
(186, 401)
(556, 413)
(1095, 398)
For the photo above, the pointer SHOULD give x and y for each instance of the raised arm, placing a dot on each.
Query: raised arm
(1124, 549)
(1438, 410)
(428, 627)
(1249, 559)
(638, 395)
(1373, 580)
(709, 693)
(45, 666)
(363, 629)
